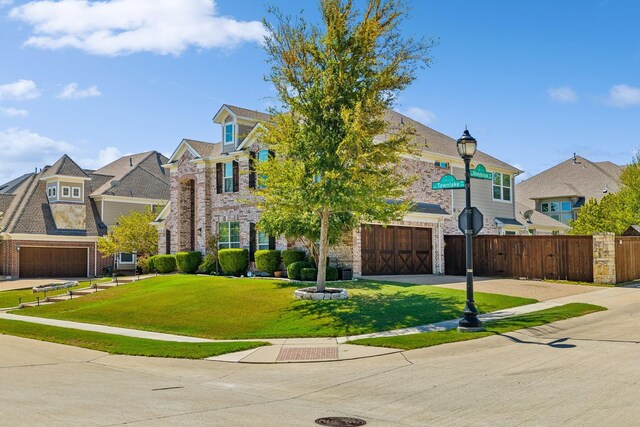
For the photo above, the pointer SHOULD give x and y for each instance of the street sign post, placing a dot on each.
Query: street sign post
(478, 221)
(448, 182)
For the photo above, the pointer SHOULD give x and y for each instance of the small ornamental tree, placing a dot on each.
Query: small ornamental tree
(134, 232)
(335, 84)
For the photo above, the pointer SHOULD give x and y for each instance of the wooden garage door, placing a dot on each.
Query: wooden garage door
(396, 250)
(53, 262)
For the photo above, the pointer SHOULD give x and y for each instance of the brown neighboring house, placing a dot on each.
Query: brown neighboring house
(560, 192)
(53, 217)
(211, 182)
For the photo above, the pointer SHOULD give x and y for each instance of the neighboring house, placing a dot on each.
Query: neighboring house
(560, 192)
(537, 223)
(53, 217)
(211, 183)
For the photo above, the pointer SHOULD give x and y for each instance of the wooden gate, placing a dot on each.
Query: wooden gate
(396, 250)
(539, 257)
(53, 262)
(627, 258)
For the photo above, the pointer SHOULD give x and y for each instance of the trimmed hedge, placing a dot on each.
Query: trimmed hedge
(150, 265)
(289, 256)
(309, 274)
(164, 263)
(209, 264)
(268, 260)
(332, 274)
(233, 261)
(293, 269)
(188, 262)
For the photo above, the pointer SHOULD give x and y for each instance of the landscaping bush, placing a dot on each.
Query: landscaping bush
(188, 262)
(293, 269)
(164, 263)
(289, 256)
(309, 274)
(143, 264)
(150, 265)
(233, 261)
(332, 274)
(268, 260)
(209, 264)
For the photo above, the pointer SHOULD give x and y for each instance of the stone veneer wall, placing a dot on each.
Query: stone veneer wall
(604, 258)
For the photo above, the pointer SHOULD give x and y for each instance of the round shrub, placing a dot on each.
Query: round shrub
(309, 274)
(150, 265)
(164, 263)
(188, 262)
(209, 264)
(233, 261)
(293, 269)
(267, 260)
(289, 256)
(332, 274)
(143, 264)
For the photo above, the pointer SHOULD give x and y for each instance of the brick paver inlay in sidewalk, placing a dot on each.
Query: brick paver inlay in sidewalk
(307, 353)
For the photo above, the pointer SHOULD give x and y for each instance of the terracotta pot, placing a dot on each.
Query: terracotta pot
(277, 274)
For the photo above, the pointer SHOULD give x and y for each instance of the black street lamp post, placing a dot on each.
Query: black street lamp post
(467, 148)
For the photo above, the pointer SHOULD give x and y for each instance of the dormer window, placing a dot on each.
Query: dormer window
(76, 193)
(228, 133)
(52, 192)
(66, 191)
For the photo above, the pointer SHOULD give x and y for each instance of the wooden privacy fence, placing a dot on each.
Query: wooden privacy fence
(627, 258)
(539, 257)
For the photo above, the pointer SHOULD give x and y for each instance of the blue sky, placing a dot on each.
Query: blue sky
(534, 81)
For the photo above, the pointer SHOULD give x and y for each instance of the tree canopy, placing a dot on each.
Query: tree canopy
(134, 232)
(614, 212)
(334, 84)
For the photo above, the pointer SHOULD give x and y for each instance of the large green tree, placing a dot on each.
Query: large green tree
(134, 232)
(335, 83)
(614, 212)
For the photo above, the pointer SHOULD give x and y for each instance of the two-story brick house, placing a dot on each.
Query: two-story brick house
(52, 218)
(211, 183)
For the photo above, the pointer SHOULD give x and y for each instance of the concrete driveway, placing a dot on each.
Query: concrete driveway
(536, 289)
(581, 372)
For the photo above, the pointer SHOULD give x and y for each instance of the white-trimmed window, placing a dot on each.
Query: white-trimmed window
(560, 210)
(229, 233)
(227, 177)
(126, 258)
(502, 186)
(66, 191)
(228, 133)
(76, 192)
(263, 241)
(262, 156)
(52, 191)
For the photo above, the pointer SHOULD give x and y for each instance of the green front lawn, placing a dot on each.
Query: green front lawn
(118, 344)
(496, 327)
(11, 298)
(223, 308)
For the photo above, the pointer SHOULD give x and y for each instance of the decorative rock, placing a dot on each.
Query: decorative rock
(329, 294)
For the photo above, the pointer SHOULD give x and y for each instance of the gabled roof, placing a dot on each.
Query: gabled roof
(575, 177)
(138, 175)
(198, 149)
(65, 167)
(242, 113)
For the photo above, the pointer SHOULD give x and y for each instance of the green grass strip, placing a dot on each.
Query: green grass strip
(12, 298)
(118, 344)
(496, 327)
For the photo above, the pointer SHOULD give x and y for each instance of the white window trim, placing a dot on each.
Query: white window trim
(52, 189)
(79, 196)
(228, 242)
(65, 187)
(503, 187)
(225, 177)
(233, 133)
(133, 259)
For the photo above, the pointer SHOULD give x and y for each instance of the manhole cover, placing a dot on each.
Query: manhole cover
(340, 421)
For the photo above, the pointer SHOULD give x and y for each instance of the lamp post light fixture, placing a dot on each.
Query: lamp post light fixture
(466, 146)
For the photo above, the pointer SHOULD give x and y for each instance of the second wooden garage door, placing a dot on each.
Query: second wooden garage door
(396, 250)
(53, 262)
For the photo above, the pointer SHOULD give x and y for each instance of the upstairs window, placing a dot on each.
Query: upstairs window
(76, 192)
(66, 191)
(228, 133)
(560, 210)
(262, 156)
(501, 186)
(52, 192)
(228, 177)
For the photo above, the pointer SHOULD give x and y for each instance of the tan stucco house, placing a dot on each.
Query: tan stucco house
(53, 217)
(210, 185)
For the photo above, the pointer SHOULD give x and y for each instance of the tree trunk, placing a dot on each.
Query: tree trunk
(324, 249)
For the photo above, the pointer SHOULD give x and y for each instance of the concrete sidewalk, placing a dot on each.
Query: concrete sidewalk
(292, 350)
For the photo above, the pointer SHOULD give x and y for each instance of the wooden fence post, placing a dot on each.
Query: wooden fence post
(604, 258)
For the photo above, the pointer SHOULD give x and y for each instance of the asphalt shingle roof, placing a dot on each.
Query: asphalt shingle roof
(251, 114)
(139, 175)
(537, 218)
(577, 177)
(205, 149)
(66, 167)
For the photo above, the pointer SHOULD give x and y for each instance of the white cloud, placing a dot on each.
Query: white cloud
(71, 91)
(623, 96)
(23, 150)
(563, 94)
(420, 115)
(14, 112)
(19, 90)
(105, 157)
(119, 27)
(4, 3)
